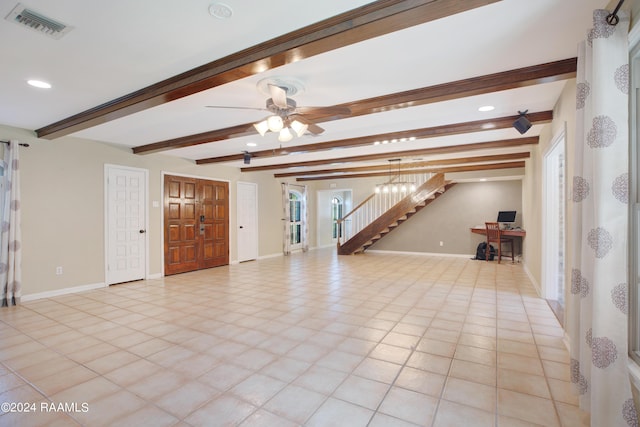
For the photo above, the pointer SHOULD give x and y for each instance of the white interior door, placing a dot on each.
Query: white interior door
(247, 214)
(126, 224)
(553, 221)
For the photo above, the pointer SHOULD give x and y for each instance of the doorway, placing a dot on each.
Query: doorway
(553, 225)
(196, 224)
(337, 212)
(247, 213)
(332, 205)
(125, 226)
(295, 219)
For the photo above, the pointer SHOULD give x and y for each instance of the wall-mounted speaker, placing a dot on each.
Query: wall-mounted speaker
(522, 124)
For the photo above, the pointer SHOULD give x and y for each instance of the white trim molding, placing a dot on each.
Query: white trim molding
(64, 291)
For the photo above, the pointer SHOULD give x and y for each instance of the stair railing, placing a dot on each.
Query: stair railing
(372, 207)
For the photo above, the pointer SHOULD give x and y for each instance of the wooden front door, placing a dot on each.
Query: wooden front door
(196, 230)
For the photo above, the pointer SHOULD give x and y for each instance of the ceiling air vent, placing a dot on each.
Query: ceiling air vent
(37, 22)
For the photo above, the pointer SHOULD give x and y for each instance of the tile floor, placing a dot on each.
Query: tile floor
(312, 339)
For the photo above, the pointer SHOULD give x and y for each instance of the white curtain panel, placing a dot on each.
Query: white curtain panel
(305, 219)
(597, 306)
(286, 220)
(10, 239)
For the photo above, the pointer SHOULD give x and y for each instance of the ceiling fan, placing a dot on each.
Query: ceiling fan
(286, 116)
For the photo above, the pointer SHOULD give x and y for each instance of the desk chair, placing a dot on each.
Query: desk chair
(494, 235)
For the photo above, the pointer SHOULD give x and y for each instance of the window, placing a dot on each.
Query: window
(295, 206)
(337, 210)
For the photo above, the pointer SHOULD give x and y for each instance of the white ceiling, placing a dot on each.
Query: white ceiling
(119, 46)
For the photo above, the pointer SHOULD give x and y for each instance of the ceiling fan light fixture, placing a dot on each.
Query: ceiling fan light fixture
(299, 128)
(285, 135)
(275, 123)
(262, 127)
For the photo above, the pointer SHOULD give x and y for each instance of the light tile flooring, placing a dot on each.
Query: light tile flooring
(312, 339)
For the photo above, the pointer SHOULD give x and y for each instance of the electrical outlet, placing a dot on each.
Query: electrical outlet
(441, 243)
(58, 271)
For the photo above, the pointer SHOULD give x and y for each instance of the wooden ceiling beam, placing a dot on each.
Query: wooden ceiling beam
(521, 77)
(505, 143)
(435, 169)
(431, 132)
(363, 23)
(409, 167)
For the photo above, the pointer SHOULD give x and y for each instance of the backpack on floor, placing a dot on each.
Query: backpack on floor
(481, 251)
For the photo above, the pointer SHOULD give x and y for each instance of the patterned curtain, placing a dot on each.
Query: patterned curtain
(597, 307)
(10, 239)
(305, 219)
(286, 220)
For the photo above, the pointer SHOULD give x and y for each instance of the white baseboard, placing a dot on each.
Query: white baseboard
(535, 283)
(154, 276)
(420, 253)
(64, 291)
(330, 245)
(270, 256)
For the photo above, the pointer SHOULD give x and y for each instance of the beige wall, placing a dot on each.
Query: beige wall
(62, 185)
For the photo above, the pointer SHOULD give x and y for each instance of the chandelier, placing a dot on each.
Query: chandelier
(284, 126)
(394, 184)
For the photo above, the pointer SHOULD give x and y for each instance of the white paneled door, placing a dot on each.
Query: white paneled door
(126, 230)
(247, 221)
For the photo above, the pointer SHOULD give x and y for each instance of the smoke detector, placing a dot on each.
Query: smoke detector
(33, 20)
(221, 10)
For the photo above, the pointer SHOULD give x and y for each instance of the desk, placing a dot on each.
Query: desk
(507, 233)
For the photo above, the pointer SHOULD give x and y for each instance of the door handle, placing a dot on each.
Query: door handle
(143, 231)
(241, 226)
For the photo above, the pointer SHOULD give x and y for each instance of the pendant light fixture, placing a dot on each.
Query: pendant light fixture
(394, 184)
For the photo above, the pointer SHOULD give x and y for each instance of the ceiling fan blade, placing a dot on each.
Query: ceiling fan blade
(279, 96)
(312, 127)
(235, 108)
(333, 111)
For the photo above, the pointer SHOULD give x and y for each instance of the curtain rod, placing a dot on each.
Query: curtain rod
(612, 18)
(20, 144)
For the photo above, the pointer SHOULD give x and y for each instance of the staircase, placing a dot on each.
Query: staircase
(393, 217)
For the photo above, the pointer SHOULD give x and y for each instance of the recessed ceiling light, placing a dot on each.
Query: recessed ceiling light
(251, 144)
(483, 179)
(39, 84)
(487, 108)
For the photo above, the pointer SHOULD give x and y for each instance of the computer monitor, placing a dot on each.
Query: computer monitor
(507, 216)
